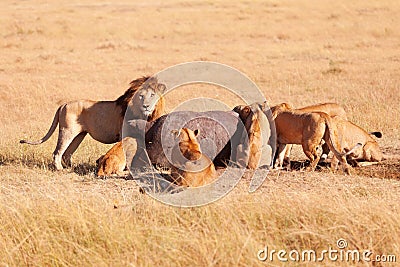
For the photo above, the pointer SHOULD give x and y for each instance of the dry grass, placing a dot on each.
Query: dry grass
(296, 51)
(67, 220)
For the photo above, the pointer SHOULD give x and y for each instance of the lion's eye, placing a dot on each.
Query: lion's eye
(141, 97)
(152, 95)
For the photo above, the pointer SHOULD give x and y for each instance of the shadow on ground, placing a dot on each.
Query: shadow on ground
(84, 168)
(386, 169)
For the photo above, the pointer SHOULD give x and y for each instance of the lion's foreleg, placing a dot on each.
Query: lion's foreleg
(286, 159)
(310, 149)
(280, 155)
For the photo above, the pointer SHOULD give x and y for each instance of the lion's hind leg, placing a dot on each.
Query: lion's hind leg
(66, 158)
(65, 138)
(339, 158)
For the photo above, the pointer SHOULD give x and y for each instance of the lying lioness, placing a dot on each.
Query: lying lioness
(114, 161)
(190, 167)
(307, 129)
(351, 134)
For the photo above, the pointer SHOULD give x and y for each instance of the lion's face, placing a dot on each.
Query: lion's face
(148, 96)
(247, 115)
(243, 111)
(188, 144)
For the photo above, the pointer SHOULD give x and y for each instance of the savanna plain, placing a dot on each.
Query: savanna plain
(301, 52)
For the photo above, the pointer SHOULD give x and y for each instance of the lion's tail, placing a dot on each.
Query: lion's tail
(49, 133)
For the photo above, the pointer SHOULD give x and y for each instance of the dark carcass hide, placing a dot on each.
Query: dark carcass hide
(220, 134)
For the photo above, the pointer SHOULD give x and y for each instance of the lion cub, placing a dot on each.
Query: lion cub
(114, 161)
(190, 166)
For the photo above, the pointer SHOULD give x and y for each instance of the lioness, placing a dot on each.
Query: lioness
(102, 119)
(114, 161)
(307, 129)
(332, 109)
(253, 150)
(351, 134)
(191, 167)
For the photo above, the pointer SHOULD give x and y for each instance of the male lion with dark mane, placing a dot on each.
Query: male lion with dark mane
(102, 120)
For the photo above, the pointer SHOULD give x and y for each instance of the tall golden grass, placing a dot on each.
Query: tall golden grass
(300, 52)
(70, 220)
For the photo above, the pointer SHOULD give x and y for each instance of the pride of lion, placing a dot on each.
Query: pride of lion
(319, 129)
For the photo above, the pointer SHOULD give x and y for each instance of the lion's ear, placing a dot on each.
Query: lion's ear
(264, 105)
(176, 133)
(161, 88)
(275, 114)
(236, 109)
(254, 118)
(288, 106)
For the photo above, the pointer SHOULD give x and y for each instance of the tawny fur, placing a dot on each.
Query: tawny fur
(351, 134)
(254, 121)
(114, 161)
(101, 119)
(191, 168)
(308, 130)
(332, 109)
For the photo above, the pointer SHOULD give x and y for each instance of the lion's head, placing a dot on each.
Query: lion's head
(249, 117)
(188, 144)
(257, 127)
(148, 102)
(148, 98)
(280, 108)
(124, 100)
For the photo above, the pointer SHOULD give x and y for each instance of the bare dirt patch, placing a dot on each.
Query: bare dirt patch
(387, 169)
